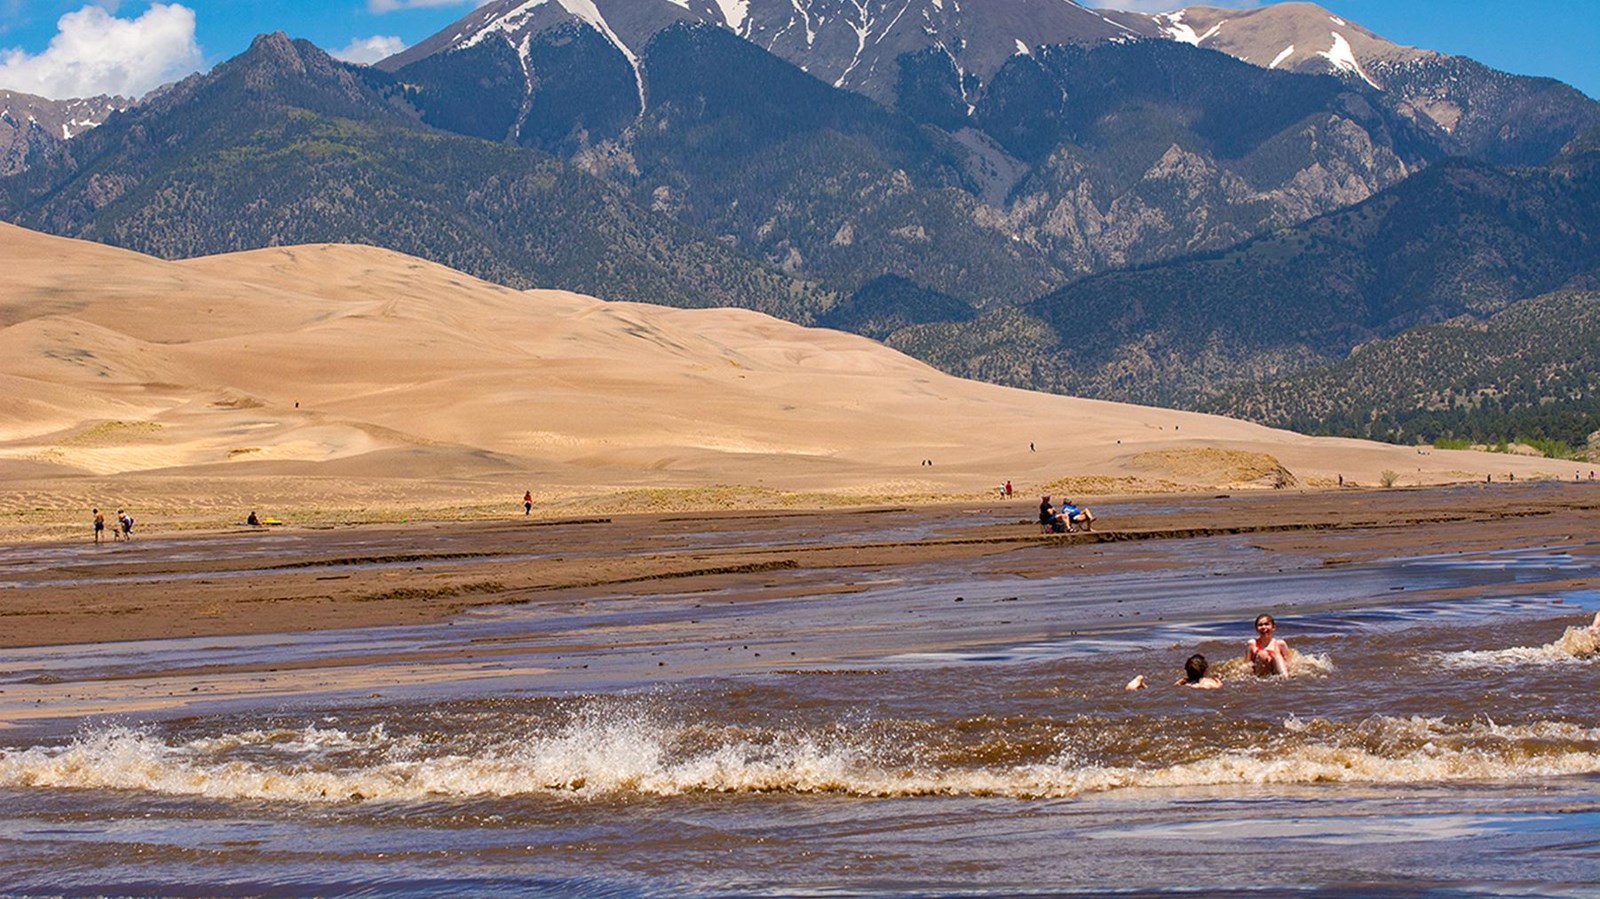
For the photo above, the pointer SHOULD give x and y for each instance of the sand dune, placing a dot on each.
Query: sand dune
(381, 378)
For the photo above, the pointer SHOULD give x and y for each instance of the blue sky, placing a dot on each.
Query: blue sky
(63, 48)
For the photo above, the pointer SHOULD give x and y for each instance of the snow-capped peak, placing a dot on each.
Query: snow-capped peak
(585, 11)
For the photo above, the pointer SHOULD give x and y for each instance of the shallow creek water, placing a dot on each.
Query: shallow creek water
(943, 729)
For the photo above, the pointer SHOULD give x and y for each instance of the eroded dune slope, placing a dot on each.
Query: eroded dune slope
(360, 363)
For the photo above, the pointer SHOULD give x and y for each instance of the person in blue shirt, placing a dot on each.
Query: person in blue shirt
(1076, 516)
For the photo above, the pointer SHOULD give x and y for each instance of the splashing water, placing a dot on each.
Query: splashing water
(1579, 645)
(601, 752)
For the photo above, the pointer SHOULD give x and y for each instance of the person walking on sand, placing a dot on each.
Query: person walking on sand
(527, 503)
(125, 522)
(1267, 654)
(99, 525)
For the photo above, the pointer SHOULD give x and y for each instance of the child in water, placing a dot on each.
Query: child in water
(1194, 676)
(1267, 654)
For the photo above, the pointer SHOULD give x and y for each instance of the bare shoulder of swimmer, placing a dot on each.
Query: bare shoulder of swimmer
(1136, 684)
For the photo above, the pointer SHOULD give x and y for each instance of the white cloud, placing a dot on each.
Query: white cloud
(368, 50)
(379, 7)
(94, 52)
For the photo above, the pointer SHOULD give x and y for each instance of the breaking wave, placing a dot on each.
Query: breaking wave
(596, 755)
(1578, 644)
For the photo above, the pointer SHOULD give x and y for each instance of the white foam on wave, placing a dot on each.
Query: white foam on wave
(1301, 664)
(596, 756)
(1579, 645)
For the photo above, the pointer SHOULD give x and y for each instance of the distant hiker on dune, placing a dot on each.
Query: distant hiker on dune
(527, 503)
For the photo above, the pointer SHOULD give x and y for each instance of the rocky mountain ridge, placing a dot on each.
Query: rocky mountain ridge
(878, 47)
(285, 145)
(1136, 218)
(32, 127)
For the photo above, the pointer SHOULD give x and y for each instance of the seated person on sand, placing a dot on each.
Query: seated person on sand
(1076, 516)
(1267, 654)
(1194, 676)
(1049, 517)
(253, 521)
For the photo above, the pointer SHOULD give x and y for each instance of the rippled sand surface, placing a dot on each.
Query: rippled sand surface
(888, 701)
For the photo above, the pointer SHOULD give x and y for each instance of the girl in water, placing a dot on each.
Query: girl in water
(1266, 653)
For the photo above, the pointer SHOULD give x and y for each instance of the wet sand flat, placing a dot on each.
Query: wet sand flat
(266, 580)
(632, 595)
(251, 581)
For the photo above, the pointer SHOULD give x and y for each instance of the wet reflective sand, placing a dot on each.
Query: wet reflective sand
(869, 719)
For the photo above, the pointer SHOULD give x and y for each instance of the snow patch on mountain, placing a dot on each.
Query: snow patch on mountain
(1117, 25)
(862, 26)
(1023, 48)
(1343, 58)
(734, 12)
(506, 24)
(961, 72)
(805, 19)
(583, 10)
(1172, 25)
(1283, 54)
(587, 11)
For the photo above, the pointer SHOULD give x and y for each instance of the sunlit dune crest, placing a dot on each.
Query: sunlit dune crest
(358, 362)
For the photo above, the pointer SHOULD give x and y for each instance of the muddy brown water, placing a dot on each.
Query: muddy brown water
(909, 701)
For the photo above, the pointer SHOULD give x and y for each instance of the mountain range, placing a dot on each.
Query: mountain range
(1158, 208)
(1531, 370)
(1460, 238)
